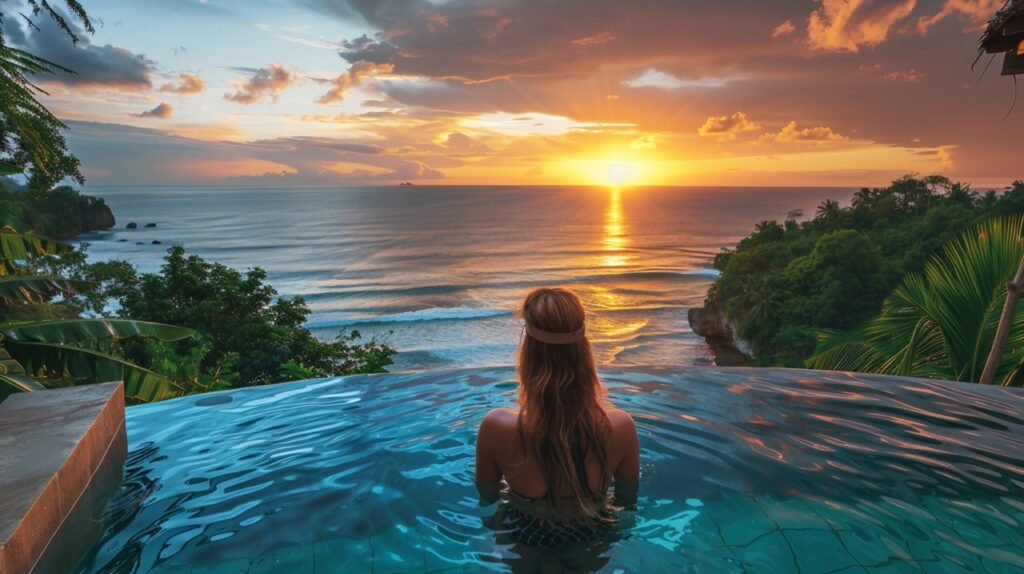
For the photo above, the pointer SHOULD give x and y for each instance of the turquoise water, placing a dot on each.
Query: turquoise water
(439, 270)
(743, 471)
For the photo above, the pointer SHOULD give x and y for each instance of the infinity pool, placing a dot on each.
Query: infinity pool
(744, 470)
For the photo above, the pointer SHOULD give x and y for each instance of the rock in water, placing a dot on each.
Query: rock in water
(95, 214)
(150, 225)
(157, 242)
(720, 332)
(132, 225)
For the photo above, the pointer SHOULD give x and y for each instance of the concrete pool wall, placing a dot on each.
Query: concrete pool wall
(61, 457)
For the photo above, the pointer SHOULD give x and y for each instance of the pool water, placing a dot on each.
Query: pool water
(744, 470)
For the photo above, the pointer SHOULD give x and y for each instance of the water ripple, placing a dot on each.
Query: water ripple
(743, 470)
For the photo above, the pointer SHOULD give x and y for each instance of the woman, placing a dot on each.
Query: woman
(565, 447)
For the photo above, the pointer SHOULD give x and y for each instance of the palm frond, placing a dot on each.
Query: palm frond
(942, 322)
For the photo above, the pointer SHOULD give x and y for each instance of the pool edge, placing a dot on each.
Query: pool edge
(61, 457)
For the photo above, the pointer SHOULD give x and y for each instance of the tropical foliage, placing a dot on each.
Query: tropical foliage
(788, 281)
(30, 136)
(35, 353)
(246, 333)
(941, 322)
(61, 213)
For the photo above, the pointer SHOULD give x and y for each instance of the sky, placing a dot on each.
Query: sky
(578, 92)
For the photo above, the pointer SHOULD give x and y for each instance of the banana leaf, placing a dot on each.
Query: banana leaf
(139, 383)
(23, 247)
(72, 331)
(36, 287)
(9, 169)
(13, 378)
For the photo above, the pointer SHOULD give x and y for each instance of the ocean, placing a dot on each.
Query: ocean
(438, 271)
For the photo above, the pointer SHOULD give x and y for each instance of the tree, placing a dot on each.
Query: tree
(942, 323)
(30, 136)
(829, 210)
(236, 315)
(60, 351)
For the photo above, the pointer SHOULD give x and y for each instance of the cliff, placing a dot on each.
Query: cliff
(720, 332)
(62, 213)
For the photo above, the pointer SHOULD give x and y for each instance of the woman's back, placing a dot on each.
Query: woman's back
(502, 452)
(564, 447)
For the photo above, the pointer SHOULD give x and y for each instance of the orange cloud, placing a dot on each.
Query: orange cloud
(355, 75)
(188, 84)
(162, 111)
(643, 142)
(975, 12)
(602, 38)
(847, 25)
(726, 127)
(267, 81)
(790, 134)
(911, 75)
(784, 29)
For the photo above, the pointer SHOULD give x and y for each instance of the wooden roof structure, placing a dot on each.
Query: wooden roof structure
(1005, 35)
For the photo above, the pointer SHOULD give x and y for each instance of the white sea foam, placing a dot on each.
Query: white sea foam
(430, 314)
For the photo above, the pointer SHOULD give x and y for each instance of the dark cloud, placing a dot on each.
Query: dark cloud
(162, 111)
(125, 155)
(93, 65)
(483, 41)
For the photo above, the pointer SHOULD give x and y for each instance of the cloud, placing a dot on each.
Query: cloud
(514, 39)
(162, 111)
(643, 142)
(911, 75)
(945, 154)
(354, 76)
(188, 84)
(974, 12)
(132, 156)
(652, 78)
(94, 66)
(790, 134)
(269, 81)
(725, 128)
(602, 38)
(849, 25)
(458, 140)
(784, 29)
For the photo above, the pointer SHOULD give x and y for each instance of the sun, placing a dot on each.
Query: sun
(614, 171)
(618, 173)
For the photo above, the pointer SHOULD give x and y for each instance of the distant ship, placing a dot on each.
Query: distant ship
(406, 183)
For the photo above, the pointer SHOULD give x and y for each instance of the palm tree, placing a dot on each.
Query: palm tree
(66, 350)
(30, 136)
(942, 323)
(828, 210)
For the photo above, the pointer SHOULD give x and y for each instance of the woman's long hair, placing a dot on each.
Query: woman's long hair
(562, 420)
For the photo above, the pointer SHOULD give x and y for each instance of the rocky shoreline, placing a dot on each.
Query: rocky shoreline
(94, 215)
(720, 333)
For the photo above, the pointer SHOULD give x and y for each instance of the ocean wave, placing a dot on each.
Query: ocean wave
(431, 314)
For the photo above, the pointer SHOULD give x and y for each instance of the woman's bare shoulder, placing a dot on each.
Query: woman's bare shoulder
(501, 418)
(621, 421)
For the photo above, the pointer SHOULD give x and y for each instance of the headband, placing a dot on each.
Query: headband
(555, 338)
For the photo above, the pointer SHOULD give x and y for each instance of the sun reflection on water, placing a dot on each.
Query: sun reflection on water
(615, 239)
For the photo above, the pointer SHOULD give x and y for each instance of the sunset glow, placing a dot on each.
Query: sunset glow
(331, 92)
